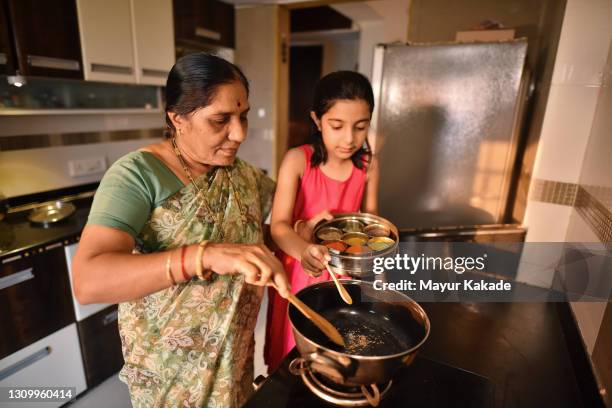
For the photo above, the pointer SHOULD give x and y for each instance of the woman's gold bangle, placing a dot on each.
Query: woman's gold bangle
(169, 269)
(198, 267)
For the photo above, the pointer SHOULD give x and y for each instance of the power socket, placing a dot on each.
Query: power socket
(86, 167)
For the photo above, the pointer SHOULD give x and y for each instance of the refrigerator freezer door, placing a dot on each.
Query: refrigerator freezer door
(446, 130)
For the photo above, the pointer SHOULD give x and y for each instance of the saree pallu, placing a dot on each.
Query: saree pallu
(192, 345)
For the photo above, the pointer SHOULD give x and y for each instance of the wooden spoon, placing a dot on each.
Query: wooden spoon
(341, 289)
(322, 323)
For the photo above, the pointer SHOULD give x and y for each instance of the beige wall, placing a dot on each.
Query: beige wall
(35, 170)
(255, 54)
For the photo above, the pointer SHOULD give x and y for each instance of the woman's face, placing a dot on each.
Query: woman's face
(344, 127)
(213, 134)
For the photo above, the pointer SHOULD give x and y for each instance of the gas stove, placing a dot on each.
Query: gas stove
(425, 383)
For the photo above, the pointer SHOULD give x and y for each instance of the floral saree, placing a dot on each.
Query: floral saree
(192, 345)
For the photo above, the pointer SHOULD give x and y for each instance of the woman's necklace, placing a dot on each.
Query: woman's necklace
(216, 216)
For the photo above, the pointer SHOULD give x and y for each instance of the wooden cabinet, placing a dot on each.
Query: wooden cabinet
(127, 41)
(101, 345)
(7, 62)
(46, 37)
(106, 39)
(35, 298)
(153, 39)
(205, 22)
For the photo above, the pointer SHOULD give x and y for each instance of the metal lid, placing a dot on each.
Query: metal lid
(51, 213)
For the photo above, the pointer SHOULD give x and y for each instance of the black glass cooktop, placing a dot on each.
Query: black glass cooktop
(425, 383)
(17, 234)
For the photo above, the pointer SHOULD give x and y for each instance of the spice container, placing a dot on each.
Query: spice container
(351, 226)
(329, 234)
(377, 230)
(357, 259)
(355, 238)
(337, 246)
(380, 243)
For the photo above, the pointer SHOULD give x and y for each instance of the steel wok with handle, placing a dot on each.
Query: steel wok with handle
(382, 330)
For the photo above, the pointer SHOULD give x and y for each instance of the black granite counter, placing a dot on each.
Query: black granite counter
(477, 355)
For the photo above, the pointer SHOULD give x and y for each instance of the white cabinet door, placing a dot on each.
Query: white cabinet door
(105, 27)
(81, 311)
(54, 361)
(153, 30)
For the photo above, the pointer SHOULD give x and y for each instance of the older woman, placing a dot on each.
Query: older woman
(175, 236)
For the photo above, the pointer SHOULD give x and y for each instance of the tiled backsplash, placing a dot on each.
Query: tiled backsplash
(23, 142)
(593, 203)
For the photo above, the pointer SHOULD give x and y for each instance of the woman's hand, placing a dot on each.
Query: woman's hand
(314, 258)
(256, 262)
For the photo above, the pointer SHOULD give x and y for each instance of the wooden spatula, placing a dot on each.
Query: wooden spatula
(322, 323)
(341, 289)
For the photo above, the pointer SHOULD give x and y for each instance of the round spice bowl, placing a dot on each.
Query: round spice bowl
(335, 246)
(380, 243)
(355, 238)
(377, 230)
(329, 234)
(351, 226)
(358, 250)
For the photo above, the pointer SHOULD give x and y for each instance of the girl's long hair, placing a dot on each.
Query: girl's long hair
(331, 88)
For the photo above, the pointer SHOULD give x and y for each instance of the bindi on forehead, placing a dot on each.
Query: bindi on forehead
(238, 104)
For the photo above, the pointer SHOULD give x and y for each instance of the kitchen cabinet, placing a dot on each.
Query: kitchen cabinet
(54, 361)
(101, 345)
(7, 64)
(46, 37)
(204, 22)
(35, 298)
(126, 41)
(105, 27)
(154, 40)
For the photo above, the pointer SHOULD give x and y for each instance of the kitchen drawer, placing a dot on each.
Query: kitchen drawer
(35, 299)
(54, 361)
(101, 345)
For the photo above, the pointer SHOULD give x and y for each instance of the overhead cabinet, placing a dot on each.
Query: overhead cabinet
(126, 41)
(204, 23)
(44, 36)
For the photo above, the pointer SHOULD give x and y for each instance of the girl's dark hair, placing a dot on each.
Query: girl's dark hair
(193, 82)
(331, 88)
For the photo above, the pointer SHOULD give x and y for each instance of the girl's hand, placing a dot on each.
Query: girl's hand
(314, 258)
(306, 228)
(256, 262)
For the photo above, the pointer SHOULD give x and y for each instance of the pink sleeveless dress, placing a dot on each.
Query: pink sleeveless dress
(317, 192)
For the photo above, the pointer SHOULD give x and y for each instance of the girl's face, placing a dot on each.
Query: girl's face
(344, 127)
(212, 135)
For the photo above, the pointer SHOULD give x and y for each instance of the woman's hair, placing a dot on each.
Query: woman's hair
(331, 88)
(193, 82)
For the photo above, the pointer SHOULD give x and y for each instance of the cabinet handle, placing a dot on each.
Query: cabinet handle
(28, 361)
(3, 59)
(110, 318)
(154, 72)
(111, 69)
(203, 32)
(54, 63)
(16, 278)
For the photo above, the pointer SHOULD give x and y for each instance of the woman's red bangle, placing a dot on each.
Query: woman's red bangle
(183, 248)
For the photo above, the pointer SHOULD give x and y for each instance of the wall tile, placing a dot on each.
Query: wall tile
(567, 124)
(584, 42)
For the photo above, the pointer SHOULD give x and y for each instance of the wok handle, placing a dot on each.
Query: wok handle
(374, 397)
(327, 365)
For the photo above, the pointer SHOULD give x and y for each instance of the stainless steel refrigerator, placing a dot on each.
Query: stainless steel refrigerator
(446, 127)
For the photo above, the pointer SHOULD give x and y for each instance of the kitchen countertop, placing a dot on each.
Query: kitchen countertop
(525, 351)
(18, 235)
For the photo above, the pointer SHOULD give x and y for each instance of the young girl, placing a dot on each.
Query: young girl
(333, 174)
